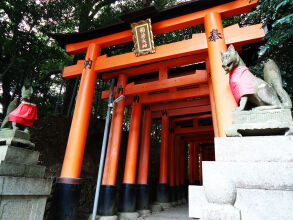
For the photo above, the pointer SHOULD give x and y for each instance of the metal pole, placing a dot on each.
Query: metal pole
(103, 152)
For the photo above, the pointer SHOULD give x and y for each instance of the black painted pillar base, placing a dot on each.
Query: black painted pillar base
(142, 194)
(127, 197)
(173, 193)
(163, 193)
(182, 191)
(65, 199)
(197, 182)
(107, 200)
(178, 193)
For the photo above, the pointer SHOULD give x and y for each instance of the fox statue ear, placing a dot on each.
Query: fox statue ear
(31, 89)
(23, 89)
(231, 48)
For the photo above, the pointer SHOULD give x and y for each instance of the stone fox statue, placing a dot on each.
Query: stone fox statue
(247, 88)
(24, 114)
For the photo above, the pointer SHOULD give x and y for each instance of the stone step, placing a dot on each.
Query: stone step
(263, 175)
(18, 155)
(24, 186)
(259, 148)
(23, 198)
(21, 170)
(255, 204)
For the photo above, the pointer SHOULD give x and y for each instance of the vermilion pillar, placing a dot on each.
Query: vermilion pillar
(144, 155)
(127, 194)
(224, 100)
(108, 188)
(163, 195)
(172, 165)
(196, 164)
(145, 147)
(191, 163)
(68, 186)
(200, 148)
(212, 99)
(177, 170)
(182, 170)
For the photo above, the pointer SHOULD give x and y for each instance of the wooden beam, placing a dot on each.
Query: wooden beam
(184, 21)
(180, 104)
(174, 94)
(200, 76)
(169, 95)
(202, 138)
(183, 111)
(153, 67)
(179, 131)
(233, 35)
(186, 118)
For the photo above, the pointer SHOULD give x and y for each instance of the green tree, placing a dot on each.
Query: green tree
(277, 19)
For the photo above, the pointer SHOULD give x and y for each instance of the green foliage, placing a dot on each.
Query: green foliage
(27, 53)
(277, 18)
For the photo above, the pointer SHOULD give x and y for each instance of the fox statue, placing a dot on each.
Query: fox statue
(23, 114)
(246, 88)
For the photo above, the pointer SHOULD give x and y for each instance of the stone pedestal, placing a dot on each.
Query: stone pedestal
(23, 190)
(261, 169)
(259, 123)
(221, 212)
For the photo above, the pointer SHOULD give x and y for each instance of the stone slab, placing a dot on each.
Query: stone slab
(22, 207)
(17, 186)
(260, 129)
(144, 212)
(220, 212)
(178, 213)
(255, 204)
(17, 169)
(16, 138)
(156, 207)
(128, 215)
(18, 155)
(10, 133)
(260, 148)
(165, 205)
(254, 116)
(196, 201)
(98, 217)
(263, 175)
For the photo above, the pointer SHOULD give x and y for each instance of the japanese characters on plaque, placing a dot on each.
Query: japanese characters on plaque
(143, 37)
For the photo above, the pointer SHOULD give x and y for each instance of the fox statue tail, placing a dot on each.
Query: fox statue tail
(10, 108)
(272, 76)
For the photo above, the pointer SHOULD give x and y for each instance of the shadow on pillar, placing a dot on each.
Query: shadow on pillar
(107, 200)
(172, 195)
(142, 193)
(163, 193)
(127, 198)
(65, 199)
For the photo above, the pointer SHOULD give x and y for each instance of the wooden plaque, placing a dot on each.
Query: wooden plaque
(143, 37)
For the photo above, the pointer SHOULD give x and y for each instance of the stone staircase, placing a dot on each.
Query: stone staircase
(261, 168)
(23, 189)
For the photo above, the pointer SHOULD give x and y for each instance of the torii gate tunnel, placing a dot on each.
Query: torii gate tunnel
(184, 102)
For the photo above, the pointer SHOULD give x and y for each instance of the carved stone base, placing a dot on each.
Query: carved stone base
(221, 212)
(260, 123)
(16, 138)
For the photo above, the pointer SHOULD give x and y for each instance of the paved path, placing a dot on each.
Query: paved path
(178, 213)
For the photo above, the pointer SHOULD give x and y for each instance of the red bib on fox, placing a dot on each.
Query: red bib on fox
(24, 114)
(240, 82)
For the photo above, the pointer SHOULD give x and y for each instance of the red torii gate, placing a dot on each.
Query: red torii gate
(199, 48)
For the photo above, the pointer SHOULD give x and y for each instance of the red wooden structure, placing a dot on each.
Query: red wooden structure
(193, 106)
